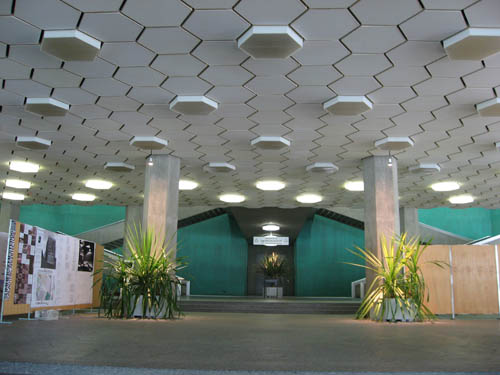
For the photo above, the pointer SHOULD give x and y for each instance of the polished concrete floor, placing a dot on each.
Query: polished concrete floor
(250, 342)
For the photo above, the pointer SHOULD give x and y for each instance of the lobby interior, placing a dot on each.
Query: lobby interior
(339, 122)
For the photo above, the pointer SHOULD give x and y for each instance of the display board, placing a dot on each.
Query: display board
(47, 270)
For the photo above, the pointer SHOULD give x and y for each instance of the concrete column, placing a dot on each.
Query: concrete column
(161, 196)
(7, 211)
(133, 218)
(409, 221)
(381, 203)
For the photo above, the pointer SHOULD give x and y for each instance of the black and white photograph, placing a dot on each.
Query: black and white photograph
(86, 256)
(49, 254)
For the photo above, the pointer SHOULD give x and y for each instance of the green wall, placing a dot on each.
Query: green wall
(70, 219)
(474, 223)
(320, 250)
(217, 254)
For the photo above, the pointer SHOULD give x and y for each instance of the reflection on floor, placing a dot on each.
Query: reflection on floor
(249, 342)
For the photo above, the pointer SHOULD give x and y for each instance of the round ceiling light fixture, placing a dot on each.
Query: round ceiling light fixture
(445, 186)
(187, 185)
(83, 197)
(461, 199)
(12, 196)
(98, 184)
(270, 185)
(17, 184)
(355, 185)
(232, 198)
(271, 228)
(309, 198)
(24, 166)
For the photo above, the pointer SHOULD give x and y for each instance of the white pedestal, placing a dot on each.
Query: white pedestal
(273, 292)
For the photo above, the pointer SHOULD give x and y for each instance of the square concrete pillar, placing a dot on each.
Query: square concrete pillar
(409, 221)
(133, 219)
(161, 196)
(7, 211)
(381, 203)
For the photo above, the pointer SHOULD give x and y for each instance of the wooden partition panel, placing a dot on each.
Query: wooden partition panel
(475, 279)
(437, 279)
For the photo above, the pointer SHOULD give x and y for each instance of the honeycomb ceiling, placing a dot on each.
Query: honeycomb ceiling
(153, 50)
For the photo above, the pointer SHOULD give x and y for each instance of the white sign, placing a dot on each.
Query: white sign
(270, 240)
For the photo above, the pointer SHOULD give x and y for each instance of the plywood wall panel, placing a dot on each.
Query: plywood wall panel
(475, 279)
(437, 279)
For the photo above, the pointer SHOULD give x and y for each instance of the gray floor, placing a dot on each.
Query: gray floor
(249, 342)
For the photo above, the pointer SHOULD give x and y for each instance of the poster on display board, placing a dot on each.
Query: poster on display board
(48, 270)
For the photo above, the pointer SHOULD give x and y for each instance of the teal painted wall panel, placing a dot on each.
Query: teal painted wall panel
(475, 222)
(216, 252)
(495, 222)
(70, 219)
(320, 250)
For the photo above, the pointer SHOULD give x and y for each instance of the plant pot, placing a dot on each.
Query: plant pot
(149, 314)
(273, 292)
(394, 312)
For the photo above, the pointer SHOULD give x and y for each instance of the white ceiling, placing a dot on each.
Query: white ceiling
(389, 50)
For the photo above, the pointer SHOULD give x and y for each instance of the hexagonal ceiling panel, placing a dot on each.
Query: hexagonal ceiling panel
(387, 50)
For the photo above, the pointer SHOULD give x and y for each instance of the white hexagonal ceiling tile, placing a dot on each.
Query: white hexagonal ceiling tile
(229, 24)
(325, 24)
(168, 40)
(276, 12)
(110, 27)
(156, 12)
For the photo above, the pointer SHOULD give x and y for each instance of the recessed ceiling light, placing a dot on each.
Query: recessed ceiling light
(193, 105)
(355, 185)
(33, 143)
(24, 166)
(445, 186)
(473, 44)
(348, 105)
(70, 45)
(270, 185)
(271, 227)
(119, 167)
(46, 107)
(270, 42)
(83, 197)
(322, 168)
(187, 185)
(461, 199)
(98, 184)
(12, 196)
(270, 143)
(232, 198)
(17, 184)
(309, 198)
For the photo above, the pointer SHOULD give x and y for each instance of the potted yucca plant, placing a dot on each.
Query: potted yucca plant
(275, 268)
(143, 283)
(398, 289)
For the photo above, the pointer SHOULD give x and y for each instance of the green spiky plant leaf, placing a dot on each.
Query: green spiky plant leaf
(147, 276)
(274, 266)
(398, 275)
